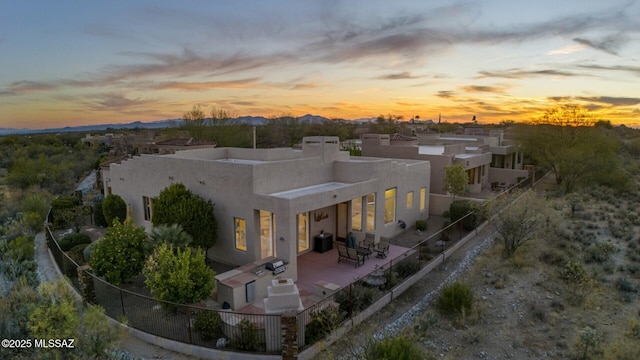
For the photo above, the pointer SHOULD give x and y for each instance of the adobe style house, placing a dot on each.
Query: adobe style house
(273, 202)
(488, 159)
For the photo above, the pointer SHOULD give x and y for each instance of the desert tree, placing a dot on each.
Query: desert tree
(455, 179)
(519, 218)
(114, 207)
(178, 205)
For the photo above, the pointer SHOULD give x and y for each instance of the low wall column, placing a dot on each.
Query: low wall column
(86, 284)
(289, 326)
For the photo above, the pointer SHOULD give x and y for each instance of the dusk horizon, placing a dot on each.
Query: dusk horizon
(74, 64)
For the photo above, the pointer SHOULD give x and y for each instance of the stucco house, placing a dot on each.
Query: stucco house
(271, 203)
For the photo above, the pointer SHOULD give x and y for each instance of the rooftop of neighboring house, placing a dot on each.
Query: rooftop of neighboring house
(186, 142)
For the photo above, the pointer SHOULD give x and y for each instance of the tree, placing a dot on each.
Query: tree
(114, 207)
(178, 275)
(565, 141)
(172, 234)
(178, 205)
(455, 179)
(386, 125)
(56, 317)
(519, 218)
(120, 255)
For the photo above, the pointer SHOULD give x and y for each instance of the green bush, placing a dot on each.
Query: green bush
(360, 298)
(70, 241)
(600, 252)
(460, 208)
(407, 267)
(421, 225)
(98, 214)
(77, 253)
(248, 338)
(322, 323)
(455, 299)
(21, 248)
(120, 255)
(574, 272)
(396, 348)
(114, 207)
(209, 325)
(63, 210)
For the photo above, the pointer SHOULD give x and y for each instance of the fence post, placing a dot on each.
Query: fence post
(86, 284)
(188, 312)
(289, 327)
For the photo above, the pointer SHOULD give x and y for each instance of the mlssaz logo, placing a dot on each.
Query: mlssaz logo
(55, 343)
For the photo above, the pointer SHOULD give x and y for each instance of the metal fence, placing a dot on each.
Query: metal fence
(261, 332)
(195, 325)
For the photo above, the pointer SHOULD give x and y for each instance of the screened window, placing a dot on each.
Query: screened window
(146, 203)
(371, 212)
(356, 214)
(303, 232)
(390, 206)
(409, 199)
(266, 233)
(240, 227)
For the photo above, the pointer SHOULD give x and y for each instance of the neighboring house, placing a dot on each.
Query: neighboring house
(272, 202)
(173, 145)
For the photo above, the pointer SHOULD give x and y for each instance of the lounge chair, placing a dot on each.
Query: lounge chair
(382, 248)
(349, 255)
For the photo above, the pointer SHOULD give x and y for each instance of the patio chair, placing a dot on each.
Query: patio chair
(368, 242)
(382, 248)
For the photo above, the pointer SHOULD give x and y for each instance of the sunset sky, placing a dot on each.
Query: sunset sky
(66, 63)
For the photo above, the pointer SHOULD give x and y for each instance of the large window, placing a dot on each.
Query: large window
(471, 173)
(356, 214)
(147, 202)
(240, 226)
(409, 199)
(390, 206)
(303, 232)
(266, 233)
(371, 212)
(423, 198)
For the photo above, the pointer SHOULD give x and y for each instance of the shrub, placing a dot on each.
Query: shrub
(247, 338)
(98, 214)
(63, 210)
(21, 248)
(322, 323)
(180, 276)
(421, 225)
(209, 325)
(407, 267)
(72, 240)
(574, 272)
(120, 255)
(455, 299)
(114, 207)
(88, 251)
(77, 253)
(399, 347)
(471, 209)
(360, 298)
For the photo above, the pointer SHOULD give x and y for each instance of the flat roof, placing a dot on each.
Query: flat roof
(240, 161)
(466, 156)
(310, 190)
(431, 149)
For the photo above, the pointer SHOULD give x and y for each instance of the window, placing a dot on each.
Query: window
(390, 206)
(240, 226)
(409, 199)
(423, 198)
(356, 214)
(147, 202)
(371, 212)
(266, 233)
(471, 173)
(303, 232)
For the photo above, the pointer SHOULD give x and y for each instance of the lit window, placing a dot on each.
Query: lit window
(423, 198)
(147, 202)
(356, 214)
(409, 199)
(266, 234)
(303, 232)
(240, 226)
(390, 206)
(371, 212)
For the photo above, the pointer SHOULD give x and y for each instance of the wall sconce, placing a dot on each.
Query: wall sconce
(170, 177)
(201, 182)
(121, 179)
(281, 238)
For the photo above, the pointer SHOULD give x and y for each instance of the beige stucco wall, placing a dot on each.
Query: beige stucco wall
(242, 181)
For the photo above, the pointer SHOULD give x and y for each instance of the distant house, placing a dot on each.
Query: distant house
(273, 202)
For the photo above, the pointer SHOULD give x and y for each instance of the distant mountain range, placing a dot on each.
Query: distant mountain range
(249, 120)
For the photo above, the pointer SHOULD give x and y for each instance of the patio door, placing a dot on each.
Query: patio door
(342, 221)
